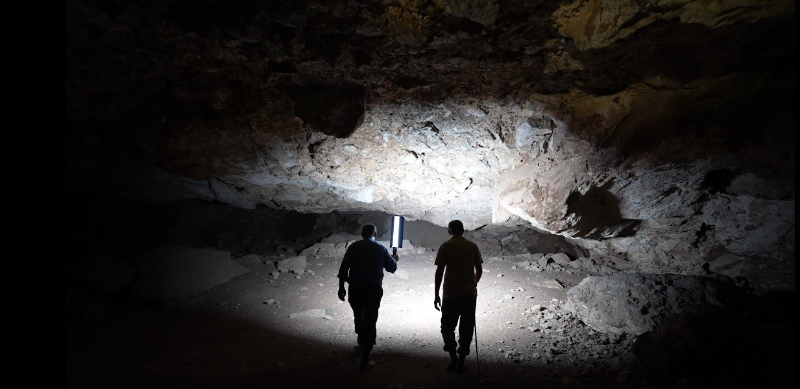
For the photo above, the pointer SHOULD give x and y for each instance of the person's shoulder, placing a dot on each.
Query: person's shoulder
(374, 243)
(462, 240)
(358, 243)
(443, 248)
(470, 243)
(382, 246)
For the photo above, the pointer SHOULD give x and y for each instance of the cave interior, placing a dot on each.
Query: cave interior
(627, 169)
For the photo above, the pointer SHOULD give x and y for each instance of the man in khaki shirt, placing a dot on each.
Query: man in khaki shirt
(458, 262)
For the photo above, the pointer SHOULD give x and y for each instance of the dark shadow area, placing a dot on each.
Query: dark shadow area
(702, 234)
(717, 181)
(510, 240)
(411, 82)
(335, 110)
(102, 225)
(686, 52)
(743, 112)
(599, 214)
(746, 345)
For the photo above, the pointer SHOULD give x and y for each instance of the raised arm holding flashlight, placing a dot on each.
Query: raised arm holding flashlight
(362, 268)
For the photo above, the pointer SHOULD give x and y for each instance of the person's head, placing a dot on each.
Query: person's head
(455, 228)
(368, 231)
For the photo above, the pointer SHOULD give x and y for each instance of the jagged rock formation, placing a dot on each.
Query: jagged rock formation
(659, 133)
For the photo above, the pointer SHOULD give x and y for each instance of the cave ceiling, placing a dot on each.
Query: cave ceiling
(591, 119)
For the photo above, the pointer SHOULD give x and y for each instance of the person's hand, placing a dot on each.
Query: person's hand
(437, 303)
(342, 293)
(395, 257)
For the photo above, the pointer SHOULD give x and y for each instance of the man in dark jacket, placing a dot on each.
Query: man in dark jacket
(458, 262)
(362, 268)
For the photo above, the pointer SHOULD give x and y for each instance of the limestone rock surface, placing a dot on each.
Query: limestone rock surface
(658, 133)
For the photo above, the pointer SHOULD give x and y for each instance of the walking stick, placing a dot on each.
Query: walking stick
(476, 347)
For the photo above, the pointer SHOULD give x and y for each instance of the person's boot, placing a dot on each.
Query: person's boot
(453, 366)
(461, 368)
(366, 364)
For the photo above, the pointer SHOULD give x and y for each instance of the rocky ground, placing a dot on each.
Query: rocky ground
(286, 328)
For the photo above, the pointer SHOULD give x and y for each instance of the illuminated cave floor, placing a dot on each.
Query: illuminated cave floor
(230, 336)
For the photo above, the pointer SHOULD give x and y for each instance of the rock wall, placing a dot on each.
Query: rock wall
(658, 133)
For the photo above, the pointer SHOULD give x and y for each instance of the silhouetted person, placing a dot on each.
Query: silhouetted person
(459, 263)
(362, 268)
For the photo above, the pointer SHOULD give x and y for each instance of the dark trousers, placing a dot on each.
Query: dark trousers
(365, 301)
(453, 309)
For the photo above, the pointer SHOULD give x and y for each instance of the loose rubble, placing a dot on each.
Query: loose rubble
(560, 262)
(561, 337)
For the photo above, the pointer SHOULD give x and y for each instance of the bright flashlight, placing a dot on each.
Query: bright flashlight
(397, 233)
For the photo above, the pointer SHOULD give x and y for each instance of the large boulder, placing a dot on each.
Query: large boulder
(637, 303)
(295, 265)
(511, 244)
